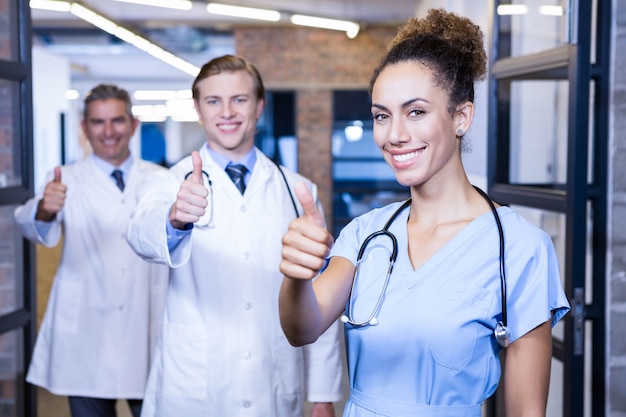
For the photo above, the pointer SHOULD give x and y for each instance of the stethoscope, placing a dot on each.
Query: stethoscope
(501, 331)
(206, 221)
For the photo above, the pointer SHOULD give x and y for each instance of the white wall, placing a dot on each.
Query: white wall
(475, 161)
(51, 79)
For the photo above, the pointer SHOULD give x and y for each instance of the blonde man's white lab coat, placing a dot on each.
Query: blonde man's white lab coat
(222, 351)
(105, 306)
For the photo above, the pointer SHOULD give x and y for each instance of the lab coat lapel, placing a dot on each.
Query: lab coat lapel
(261, 174)
(101, 183)
(222, 185)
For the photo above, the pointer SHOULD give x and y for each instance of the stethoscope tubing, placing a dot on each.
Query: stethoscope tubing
(501, 331)
(502, 253)
(371, 320)
(205, 174)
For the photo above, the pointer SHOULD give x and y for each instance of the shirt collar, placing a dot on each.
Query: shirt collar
(108, 168)
(248, 161)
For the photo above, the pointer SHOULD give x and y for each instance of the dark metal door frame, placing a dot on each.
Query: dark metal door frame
(582, 199)
(18, 71)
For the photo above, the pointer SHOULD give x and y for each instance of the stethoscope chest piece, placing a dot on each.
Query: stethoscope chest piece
(502, 334)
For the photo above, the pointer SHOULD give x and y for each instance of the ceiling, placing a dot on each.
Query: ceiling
(194, 35)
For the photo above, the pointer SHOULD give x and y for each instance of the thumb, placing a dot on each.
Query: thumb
(308, 204)
(57, 174)
(196, 161)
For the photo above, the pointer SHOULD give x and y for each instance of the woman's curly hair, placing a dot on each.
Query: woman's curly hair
(449, 45)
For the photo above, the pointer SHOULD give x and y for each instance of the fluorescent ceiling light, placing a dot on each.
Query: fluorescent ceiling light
(150, 119)
(72, 95)
(92, 17)
(161, 94)
(512, 9)
(177, 110)
(146, 113)
(354, 131)
(182, 110)
(54, 5)
(551, 10)
(170, 4)
(245, 12)
(351, 28)
(132, 38)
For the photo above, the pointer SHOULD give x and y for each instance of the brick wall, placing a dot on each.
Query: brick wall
(5, 45)
(313, 63)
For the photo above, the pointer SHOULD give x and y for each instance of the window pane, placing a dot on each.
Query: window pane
(11, 373)
(10, 166)
(533, 26)
(355, 154)
(8, 29)
(11, 285)
(362, 178)
(538, 132)
(591, 137)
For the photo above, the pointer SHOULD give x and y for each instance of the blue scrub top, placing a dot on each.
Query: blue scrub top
(433, 352)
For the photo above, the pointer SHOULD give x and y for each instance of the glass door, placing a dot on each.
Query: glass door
(547, 144)
(17, 289)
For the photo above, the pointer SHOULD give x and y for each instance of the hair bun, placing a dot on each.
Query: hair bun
(456, 31)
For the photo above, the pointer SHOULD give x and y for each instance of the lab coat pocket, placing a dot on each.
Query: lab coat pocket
(67, 304)
(185, 361)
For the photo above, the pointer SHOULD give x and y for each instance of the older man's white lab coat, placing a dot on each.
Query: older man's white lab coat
(105, 306)
(222, 351)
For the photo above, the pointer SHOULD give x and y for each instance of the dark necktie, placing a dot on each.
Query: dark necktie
(119, 178)
(236, 173)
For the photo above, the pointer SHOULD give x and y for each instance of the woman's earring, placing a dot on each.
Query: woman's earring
(459, 132)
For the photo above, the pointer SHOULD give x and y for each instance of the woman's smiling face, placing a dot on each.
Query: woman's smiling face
(412, 124)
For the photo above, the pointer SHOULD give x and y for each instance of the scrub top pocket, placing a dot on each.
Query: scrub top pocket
(462, 313)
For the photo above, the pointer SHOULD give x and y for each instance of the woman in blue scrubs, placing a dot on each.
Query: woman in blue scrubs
(432, 290)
